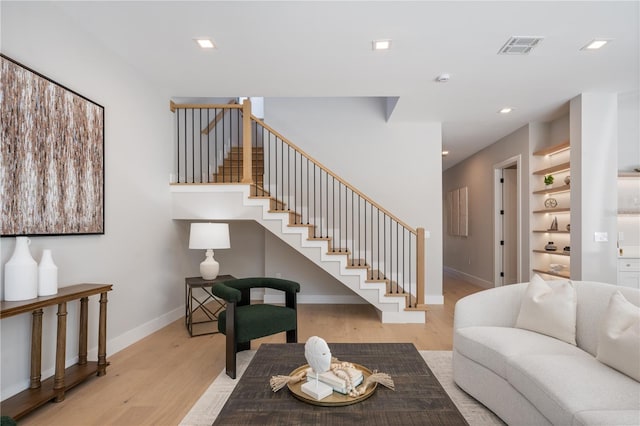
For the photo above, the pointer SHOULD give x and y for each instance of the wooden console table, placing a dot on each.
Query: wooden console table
(53, 388)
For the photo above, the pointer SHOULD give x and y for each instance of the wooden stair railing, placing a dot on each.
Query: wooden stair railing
(216, 120)
(254, 153)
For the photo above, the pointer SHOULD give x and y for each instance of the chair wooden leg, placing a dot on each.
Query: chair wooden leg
(231, 356)
(292, 336)
(231, 344)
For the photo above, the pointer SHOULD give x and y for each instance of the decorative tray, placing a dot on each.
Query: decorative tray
(336, 399)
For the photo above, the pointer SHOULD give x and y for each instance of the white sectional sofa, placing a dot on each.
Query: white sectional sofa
(528, 378)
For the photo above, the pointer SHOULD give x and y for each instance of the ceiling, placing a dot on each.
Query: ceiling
(320, 49)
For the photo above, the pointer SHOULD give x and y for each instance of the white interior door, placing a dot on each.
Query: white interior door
(510, 225)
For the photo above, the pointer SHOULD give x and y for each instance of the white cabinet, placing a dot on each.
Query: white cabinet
(629, 229)
(629, 272)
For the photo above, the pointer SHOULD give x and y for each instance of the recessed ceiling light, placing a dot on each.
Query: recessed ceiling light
(443, 78)
(381, 44)
(205, 43)
(505, 110)
(595, 44)
(445, 153)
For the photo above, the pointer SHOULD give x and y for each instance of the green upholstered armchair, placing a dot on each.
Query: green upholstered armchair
(242, 322)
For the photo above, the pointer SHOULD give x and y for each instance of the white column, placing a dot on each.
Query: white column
(594, 163)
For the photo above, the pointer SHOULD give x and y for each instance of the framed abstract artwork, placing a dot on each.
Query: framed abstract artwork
(51, 158)
(457, 212)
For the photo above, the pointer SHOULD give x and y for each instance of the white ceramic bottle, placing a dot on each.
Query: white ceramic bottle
(47, 275)
(21, 273)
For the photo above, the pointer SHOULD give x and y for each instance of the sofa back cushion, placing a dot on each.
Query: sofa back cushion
(593, 300)
(619, 337)
(549, 309)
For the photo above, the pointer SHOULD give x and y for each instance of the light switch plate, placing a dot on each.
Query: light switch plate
(600, 237)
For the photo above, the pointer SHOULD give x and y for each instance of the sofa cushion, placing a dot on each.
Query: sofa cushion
(563, 385)
(619, 339)
(549, 310)
(494, 346)
(593, 300)
(607, 418)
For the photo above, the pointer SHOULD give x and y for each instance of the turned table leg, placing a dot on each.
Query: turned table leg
(61, 343)
(82, 339)
(102, 336)
(36, 349)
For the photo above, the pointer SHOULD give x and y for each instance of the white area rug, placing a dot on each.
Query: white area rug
(205, 411)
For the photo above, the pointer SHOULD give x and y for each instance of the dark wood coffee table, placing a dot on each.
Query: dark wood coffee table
(419, 399)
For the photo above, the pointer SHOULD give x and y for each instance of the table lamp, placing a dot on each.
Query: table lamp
(209, 236)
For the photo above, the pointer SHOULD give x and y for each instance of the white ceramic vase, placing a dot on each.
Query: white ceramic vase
(21, 273)
(47, 275)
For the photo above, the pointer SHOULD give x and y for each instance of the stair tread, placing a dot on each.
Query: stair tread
(339, 251)
(422, 308)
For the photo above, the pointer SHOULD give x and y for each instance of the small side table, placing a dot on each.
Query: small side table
(193, 304)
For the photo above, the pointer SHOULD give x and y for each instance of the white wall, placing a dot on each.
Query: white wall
(629, 131)
(244, 259)
(594, 161)
(397, 164)
(629, 159)
(316, 285)
(473, 256)
(143, 253)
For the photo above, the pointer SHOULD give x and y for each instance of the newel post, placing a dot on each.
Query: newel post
(420, 265)
(247, 176)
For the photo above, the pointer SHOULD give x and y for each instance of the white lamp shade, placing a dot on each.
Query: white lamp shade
(209, 236)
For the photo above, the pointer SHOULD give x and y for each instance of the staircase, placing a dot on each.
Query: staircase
(241, 168)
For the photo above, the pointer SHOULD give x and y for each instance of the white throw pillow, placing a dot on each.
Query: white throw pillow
(549, 310)
(619, 338)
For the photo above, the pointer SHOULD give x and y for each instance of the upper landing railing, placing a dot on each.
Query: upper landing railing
(225, 143)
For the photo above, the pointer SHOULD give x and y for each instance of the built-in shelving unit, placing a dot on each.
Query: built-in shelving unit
(628, 210)
(563, 210)
(553, 169)
(553, 190)
(555, 253)
(555, 149)
(629, 228)
(553, 274)
(635, 175)
(552, 160)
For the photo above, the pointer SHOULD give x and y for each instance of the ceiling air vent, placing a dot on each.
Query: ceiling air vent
(519, 45)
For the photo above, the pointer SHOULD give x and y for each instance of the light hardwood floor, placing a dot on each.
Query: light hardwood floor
(157, 380)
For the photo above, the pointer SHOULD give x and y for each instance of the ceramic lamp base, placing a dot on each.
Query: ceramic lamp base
(209, 267)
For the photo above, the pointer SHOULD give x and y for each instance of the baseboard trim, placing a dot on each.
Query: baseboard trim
(130, 337)
(468, 277)
(114, 345)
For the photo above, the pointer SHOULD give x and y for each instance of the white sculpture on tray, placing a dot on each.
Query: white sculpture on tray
(318, 355)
